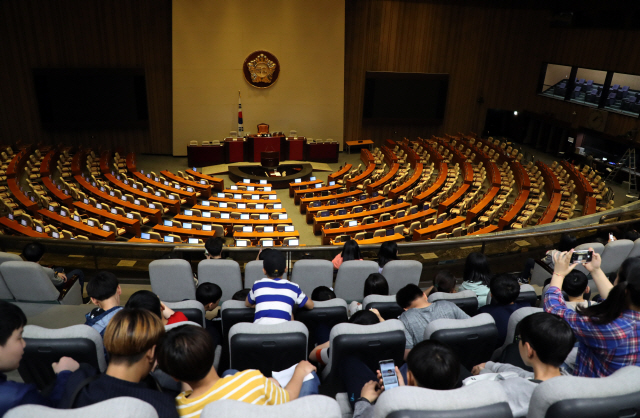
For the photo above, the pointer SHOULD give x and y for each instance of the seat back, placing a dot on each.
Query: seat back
(617, 395)
(233, 312)
(473, 339)
(224, 273)
(45, 346)
(514, 319)
(28, 282)
(5, 293)
(465, 300)
(172, 280)
(309, 274)
(400, 273)
(253, 272)
(121, 407)
(635, 251)
(614, 254)
(192, 309)
(313, 406)
(267, 348)
(351, 277)
(386, 305)
(325, 314)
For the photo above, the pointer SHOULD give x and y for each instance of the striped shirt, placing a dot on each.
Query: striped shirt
(274, 300)
(249, 386)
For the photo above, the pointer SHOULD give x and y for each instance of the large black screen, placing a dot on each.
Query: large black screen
(405, 97)
(91, 98)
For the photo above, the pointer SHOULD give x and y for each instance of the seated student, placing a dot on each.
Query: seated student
(388, 252)
(477, 276)
(274, 297)
(213, 248)
(145, 299)
(187, 353)
(104, 291)
(544, 342)
(504, 291)
(430, 364)
(419, 312)
(209, 294)
(130, 339)
(350, 251)
(12, 345)
(444, 282)
(323, 293)
(575, 285)
(241, 295)
(35, 251)
(375, 284)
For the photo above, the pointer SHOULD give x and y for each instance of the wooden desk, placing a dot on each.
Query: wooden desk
(365, 203)
(251, 192)
(234, 150)
(589, 205)
(494, 172)
(364, 143)
(228, 224)
(431, 231)
(229, 210)
(297, 186)
(367, 157)
(442, 177)
(362, 177)
(22, 199)
(17, 162)
(483, 204)
(132, 226)
(521, 176)
(57, 194)
(104, 162)
(319, 222)
(486, 230)
(390, 157)
(15, 227)
(78, 161)
(297, 194)
(322, 153)
(583, 187)
(147, 241)
(403, 188)
(131, 162)
(45, 164)
(467, 172)
(190, 197)
(256, 236)
(377, 240)
(215, 182)
(384, 180)
(340, 173)
(171, 204)
(205, 155)
(304, 202)
(551, 182)
(551, 211)
(453, 199)
(184, 233)
(79, 227)
(256, 185)
(203, 189)
(517, 206)
(226, 199)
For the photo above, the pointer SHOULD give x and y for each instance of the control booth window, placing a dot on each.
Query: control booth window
(556, 80)
(588, 87)
(624, 94)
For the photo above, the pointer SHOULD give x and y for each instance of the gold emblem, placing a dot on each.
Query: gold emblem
(261, 69)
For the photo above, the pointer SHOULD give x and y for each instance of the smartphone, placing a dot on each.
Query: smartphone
(581, 256)
(388, 372)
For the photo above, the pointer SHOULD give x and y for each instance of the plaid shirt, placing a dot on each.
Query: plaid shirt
(602, 349)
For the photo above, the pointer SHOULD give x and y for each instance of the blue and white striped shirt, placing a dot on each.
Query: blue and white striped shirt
(274, 300)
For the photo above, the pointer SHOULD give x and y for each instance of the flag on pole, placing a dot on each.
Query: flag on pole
(240, 127)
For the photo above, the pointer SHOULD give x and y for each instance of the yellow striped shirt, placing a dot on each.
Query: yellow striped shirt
(249, 386)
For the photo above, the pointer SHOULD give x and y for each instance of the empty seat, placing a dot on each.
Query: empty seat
(121, 407)
(614, 254)
(465, 300)
(309, 274)
(28, 282)
(172, 280)
(400, 273)
(351, 277)
(386, 305)
(313, 406)
(253, 272)
(224, 273)
(192, 309)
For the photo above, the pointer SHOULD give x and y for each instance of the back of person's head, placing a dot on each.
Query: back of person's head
(241, 294)
(548, 335)
(207, 293)
(265, 252)
(274, 263)
(406, 295)
(213, 246)
(186, 353)
(575, 283)
(145, 299)
(364, 318)
(476, 269)
(12, 319)
(632, 235)
(131, 333)
(505, 289)
(567, 242)
(444, 282)
(434, 365)
(376, 284)
(322, 293)
(102, 286)
(33, 252)
(388, 252)
(351, 251)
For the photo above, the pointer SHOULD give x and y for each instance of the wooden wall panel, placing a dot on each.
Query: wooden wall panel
(82, 34)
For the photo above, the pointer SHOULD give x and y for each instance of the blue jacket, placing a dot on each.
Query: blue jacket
(14, 394)
(99, 319)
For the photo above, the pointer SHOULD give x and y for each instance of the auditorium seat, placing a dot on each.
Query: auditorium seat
(309, 274)
(465, 300)
(192, 309)
(224, 273)
(28, 282)
(400, 273)
(386, 305)
(351, 276)
(172, 280)
(515, 318)
(313, 406)
(614, 254)
(121, 407)
(253, 272)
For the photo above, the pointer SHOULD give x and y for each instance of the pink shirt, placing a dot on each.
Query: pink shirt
(337, 261)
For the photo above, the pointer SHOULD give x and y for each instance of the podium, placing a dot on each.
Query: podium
(234, 150)
(270, 159)
(258, 144)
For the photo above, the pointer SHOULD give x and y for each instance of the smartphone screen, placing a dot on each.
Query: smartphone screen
(581, 256)
(388, 372)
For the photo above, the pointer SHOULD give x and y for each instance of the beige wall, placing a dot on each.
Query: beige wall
(211, 39)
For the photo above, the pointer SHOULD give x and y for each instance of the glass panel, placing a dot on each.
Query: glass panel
(624, 94)
(588, 87)
(556, 81)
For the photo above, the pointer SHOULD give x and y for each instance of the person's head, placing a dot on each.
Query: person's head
(11, 342)
(575, 283)
(388, 252)
(376, 284)
(145, 299)
(632, 235)
(103, 286)
(131, 337)
(209, 294)
(544, 337)
(444, 282)
(241, 295)
(213, 247)
(624, 295)
(264, 252)
(567, 242)
(186, 353)
(364, 318)
(351, 251)
(504, 289)
(410, 296)
(476, 269)
(322, 293)
(33, 252)
(274, 264)
(432, 365)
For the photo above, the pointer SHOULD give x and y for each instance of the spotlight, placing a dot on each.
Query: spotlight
(515, 113)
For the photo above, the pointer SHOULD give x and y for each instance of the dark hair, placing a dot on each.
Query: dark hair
(33, 252)
(12, 319)
(241, 295)
(550, 336)
(264, 252)
(632, 235)
(567, 242)
(388, 252)
(611, 308)
(351, 251)
(444, 282)
(364, 318)
(102, 286)
(214, 246)
(145, 299)
(322, 293)
(207, 293)
(476, 269)
(434, 365)
(407, 295)
(575, 283)
(376, 284)
(186, 353)
(504, 289)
